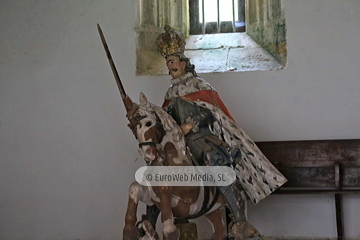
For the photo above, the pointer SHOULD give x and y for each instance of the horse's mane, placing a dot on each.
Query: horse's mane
(169, 123)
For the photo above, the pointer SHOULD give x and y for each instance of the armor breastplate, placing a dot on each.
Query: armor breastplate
(180, 110)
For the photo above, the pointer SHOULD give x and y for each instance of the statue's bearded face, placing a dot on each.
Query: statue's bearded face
(176, 68)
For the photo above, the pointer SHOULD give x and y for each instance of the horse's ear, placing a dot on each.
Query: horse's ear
(143, 100)
(128, 103)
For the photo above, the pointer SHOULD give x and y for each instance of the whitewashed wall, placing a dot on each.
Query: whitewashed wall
(67, 157)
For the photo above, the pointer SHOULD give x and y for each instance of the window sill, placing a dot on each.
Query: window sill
(226, 52)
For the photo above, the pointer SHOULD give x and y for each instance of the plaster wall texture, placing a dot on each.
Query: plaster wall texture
(67, 156)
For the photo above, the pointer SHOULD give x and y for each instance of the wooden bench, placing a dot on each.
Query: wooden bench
(318, 167)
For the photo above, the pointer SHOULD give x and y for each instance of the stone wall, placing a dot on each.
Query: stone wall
(265, 24)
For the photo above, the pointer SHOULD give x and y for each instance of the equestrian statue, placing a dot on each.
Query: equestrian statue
(192, 128)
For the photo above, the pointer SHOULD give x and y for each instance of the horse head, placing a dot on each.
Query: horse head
(147, 128)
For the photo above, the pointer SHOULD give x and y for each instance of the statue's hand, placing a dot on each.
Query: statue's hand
(186, 128)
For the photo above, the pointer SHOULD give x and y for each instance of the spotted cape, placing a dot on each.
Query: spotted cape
(256, 174)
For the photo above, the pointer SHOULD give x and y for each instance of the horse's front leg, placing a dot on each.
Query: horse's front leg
(137, 193)
(170, 231)
(216, 220)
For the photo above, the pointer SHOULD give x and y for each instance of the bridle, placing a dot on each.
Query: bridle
(148, 144)
(159, 132)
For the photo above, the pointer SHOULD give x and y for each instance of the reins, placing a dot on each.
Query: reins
(148, 144)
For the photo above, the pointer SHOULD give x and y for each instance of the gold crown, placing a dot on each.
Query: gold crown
(170, 42)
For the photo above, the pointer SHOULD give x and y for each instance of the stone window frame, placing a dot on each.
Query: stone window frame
(262, 47)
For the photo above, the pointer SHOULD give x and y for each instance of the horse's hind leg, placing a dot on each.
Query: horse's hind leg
(215, 218)
(136, 193)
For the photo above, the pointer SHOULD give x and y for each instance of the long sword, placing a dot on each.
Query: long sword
(113, 68)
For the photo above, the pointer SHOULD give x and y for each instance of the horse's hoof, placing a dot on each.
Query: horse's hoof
(130, 234)
(175, 235)
(243, 230)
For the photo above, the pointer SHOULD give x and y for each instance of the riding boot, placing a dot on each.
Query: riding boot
(242, 231)
(236, 201)
(239, 228)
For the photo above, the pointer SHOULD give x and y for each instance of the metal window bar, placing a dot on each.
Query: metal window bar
(218, 15)
(203, 16)
(199, 26)
(233, 14)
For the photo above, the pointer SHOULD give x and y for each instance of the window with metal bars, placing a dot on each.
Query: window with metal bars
(262, 47)
(216, 16)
